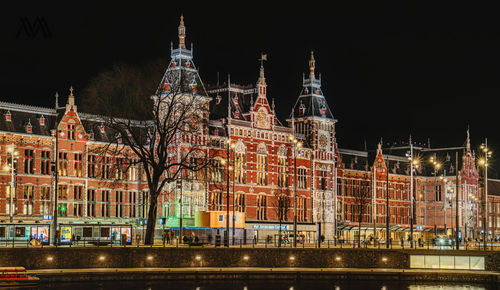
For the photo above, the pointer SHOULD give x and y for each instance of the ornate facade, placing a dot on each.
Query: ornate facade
(327, 189)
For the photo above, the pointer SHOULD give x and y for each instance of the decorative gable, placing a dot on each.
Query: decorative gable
(42, 121)
(8, 116)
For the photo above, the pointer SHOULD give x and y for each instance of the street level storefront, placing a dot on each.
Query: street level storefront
(351, 231)
(24, 233)
(95, 233)
(270, 231)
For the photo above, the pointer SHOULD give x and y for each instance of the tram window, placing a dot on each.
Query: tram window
(87, 232)
(104, 232)
(2, 232)
(20, 232)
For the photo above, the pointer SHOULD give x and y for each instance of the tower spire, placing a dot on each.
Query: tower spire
(312, 65)
(182, 33)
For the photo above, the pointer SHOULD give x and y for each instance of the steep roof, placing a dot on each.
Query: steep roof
(311, 101)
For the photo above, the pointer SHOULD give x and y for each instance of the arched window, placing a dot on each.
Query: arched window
(240, 162)
(262, 164)
(282, 166)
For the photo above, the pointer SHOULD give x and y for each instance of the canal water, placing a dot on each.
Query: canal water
(268, 285)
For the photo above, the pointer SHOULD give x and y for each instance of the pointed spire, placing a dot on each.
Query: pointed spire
(468, 138)
(70, 105)
(312, 65)
(182, 33)
(57, 100)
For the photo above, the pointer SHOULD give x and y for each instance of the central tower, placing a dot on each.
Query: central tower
(313, 123)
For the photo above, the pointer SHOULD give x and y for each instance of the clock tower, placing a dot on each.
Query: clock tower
(313, 123)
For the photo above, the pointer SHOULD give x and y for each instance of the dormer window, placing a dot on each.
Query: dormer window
(218, 99)
(8, 116)
(167, 87)
(323, 111)
(188, 64)
(235, 99)
(102, 129)
(42, 121)
(29, 128)
(173, 64)
(216, 132)
(302, 109)
(193, 87)
(236, 114)
(306, 91)
(317, 92)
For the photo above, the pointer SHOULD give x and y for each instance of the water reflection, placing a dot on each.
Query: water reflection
(266, 285)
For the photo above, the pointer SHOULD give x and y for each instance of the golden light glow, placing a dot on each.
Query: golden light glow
(299, 144)
(246, 258)
(198, 257)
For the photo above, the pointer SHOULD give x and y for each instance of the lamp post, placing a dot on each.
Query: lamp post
(226, 236)
(296, 144)
(13, 155)
(413, 165)
(436, 165)
(484, 162)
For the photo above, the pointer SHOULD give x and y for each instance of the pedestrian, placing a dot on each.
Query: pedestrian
(164, 236)
(402, 242)
(420, 241)
(167, 237)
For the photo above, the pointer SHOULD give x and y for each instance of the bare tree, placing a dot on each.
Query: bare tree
(162, 134)
(361, 196)
(281, 204)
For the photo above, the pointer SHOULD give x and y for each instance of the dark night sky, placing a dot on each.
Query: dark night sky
(388, 70)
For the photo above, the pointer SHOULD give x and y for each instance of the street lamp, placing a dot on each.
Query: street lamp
(484, 162)
(13, 156)
(437, 166)
(296, 143)
(230, 145)
(414, 163)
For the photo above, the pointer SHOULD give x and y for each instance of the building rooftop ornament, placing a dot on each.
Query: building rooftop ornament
(70, 106)
(182, 33)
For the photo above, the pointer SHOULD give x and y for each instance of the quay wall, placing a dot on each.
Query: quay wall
(158, 257)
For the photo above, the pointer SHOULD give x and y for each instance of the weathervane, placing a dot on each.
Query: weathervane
(263, 57)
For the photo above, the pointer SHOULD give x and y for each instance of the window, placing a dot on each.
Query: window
(119, 203)
(217, 201)
(262, 207)
(91, 202)
(132, 199)
(239, 200)
(282, 167)
(105, 167)
(240, 163)
(29, 161)
(62, 209)
(105, 203)
(78, 192)
(302, 178)
(62, 192)
(63, 164)
(45, 162)
(323, 179)
(28, 199)
(78, 166)
(71, 132)
(45, 200)
(261, 165)
(92, 166)
(217, 171)
(301, 209)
